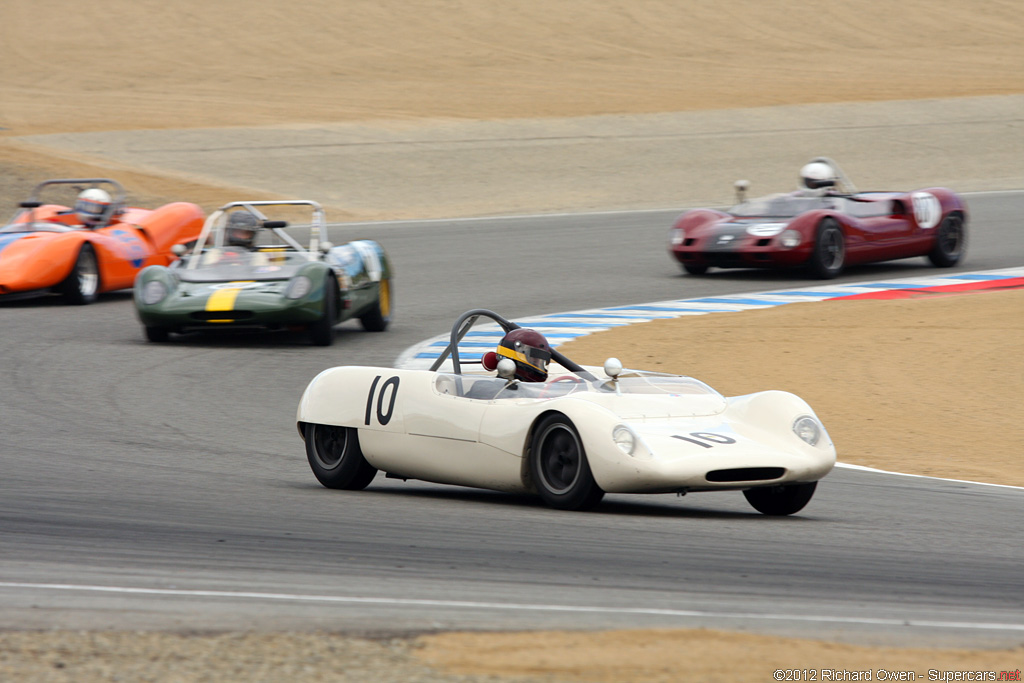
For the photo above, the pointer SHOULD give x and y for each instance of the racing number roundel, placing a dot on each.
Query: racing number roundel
(927, 210)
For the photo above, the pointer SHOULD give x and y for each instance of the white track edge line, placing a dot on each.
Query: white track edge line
(468, 604)
(864, 468)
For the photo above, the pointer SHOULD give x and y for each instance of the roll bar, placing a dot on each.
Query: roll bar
(117, 203)
(845, 186)
(317, 235)
(467, 320)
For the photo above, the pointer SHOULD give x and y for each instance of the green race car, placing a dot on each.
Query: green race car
(247, 271)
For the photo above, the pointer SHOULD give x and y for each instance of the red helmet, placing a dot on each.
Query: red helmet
(530, 351)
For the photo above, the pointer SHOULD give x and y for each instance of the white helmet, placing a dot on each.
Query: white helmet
(92, 205)
(817, 175)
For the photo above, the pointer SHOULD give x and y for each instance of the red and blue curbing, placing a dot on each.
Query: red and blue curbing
(563, 327)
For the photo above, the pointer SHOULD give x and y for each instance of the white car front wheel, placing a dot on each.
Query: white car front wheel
(559, 468)
(780, 500)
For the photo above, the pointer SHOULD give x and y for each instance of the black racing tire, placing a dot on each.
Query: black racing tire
(829, 254)
(321, 332)
(336, 459)
(780, 500)
(950, 241)
(157, 334)
(379, 316)
(694, 269)
(559, 468)
(83, 283)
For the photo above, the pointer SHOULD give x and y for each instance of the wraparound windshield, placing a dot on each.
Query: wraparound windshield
(38, 227)
(237, 263)
(633, 383)
(781, 206)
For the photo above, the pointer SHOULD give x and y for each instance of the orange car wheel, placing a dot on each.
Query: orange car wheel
(83, 283)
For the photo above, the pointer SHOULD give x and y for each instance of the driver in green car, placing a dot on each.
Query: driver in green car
(241, 230)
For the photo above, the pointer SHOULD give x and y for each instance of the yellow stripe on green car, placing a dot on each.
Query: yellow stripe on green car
(224, 299)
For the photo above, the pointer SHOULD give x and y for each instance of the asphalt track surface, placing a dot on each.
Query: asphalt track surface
(164, 486)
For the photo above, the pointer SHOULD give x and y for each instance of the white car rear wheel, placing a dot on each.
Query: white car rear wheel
(336, 459)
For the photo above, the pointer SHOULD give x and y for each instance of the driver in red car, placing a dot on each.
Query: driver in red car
(817, 179)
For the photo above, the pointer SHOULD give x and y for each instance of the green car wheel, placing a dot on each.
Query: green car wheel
(157, 334)
(321, 333)
(379, 317)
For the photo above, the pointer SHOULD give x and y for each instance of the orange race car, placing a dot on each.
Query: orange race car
(96, 245)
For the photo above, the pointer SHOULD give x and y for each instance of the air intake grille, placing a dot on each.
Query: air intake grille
(221, 315)
(745, 474)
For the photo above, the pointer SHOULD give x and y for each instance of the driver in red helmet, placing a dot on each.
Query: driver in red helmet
(529, 350)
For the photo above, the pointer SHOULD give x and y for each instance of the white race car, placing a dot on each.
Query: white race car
(585, 432)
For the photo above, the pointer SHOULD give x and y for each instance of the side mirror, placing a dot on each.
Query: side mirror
(326, 246)
(506, 368)
(741, 187)
(613, 367)
(179, 250)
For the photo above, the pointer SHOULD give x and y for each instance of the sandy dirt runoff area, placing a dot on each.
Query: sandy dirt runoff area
(142, 64)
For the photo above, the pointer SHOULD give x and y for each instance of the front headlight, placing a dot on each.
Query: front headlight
(808, 429)
(298, 287)
(625, 439)
(153, 292)
(790, 239)
(677, 236)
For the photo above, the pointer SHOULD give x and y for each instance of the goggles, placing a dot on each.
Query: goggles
(534, 357)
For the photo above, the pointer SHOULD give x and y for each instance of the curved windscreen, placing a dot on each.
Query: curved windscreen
(237, 263)
(631, 383)
(781, 206)
(667, 385)
(37, 227)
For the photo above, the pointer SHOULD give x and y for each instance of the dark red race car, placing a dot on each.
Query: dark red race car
(823, 227)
